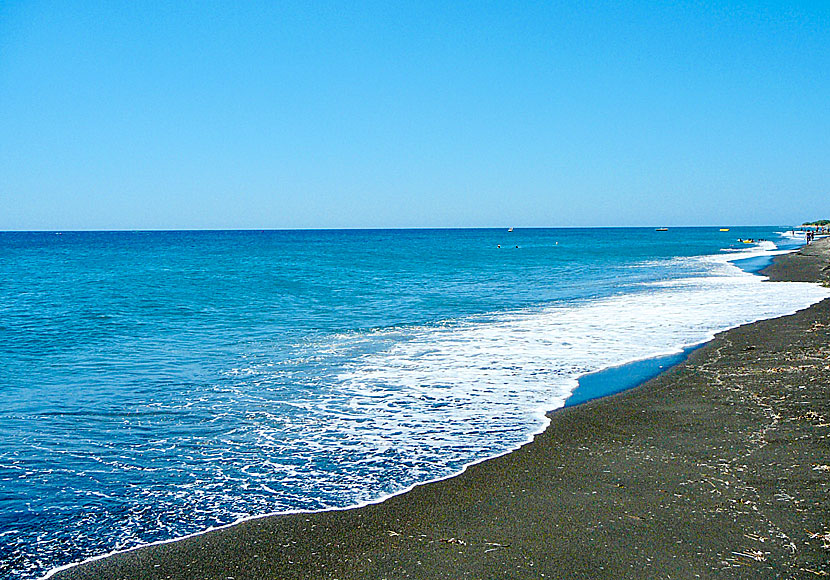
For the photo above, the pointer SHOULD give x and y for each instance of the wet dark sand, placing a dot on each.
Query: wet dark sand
(809, 264)
(719, 468)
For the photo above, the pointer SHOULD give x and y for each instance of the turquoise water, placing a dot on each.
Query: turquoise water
(156, 384)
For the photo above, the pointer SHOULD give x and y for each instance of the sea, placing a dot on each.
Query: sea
(157, 384)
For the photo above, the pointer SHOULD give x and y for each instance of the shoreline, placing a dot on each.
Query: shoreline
(520, 515)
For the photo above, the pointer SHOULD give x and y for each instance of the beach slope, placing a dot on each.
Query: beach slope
(719, 468)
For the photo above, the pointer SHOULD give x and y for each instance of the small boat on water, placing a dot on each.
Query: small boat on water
(510, 230)
(724, 229)
(661, 229)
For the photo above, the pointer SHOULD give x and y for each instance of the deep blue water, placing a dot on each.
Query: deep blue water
(154, 384)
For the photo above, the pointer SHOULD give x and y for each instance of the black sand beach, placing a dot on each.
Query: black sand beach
(719, 468)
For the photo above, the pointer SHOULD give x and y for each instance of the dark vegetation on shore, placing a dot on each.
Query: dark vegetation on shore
(719, 468)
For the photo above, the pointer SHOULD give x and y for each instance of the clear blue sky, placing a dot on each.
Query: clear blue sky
(128, 115)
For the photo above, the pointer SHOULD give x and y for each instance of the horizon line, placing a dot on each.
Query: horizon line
(385, 228)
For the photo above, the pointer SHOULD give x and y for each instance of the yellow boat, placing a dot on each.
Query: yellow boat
(724, 229)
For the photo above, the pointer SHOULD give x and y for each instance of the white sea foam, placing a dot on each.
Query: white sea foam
(792, 234)
(450, 385)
